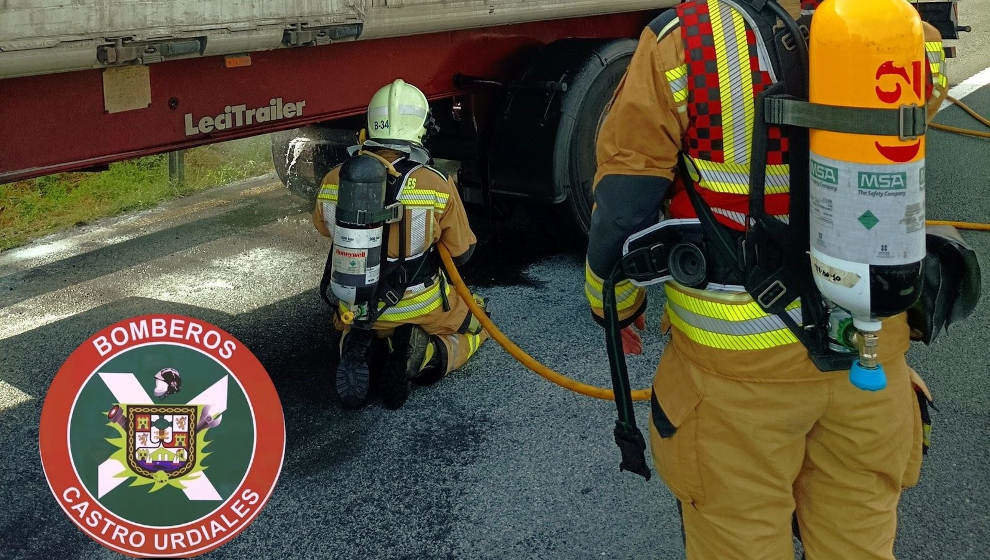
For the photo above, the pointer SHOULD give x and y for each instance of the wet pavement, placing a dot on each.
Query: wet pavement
(492, 462)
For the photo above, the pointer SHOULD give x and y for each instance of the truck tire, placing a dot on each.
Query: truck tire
(303, 156)
(544, 142)
(582, 114)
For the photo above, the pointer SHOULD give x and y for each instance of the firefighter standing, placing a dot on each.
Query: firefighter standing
(744, 429)
(427, 330)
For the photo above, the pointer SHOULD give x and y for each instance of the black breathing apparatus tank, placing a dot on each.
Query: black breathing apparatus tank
(358, 232)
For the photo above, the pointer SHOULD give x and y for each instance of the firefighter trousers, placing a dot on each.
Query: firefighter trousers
(753, 437)
(456, 329)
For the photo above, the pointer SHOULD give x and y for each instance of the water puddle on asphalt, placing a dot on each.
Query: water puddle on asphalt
(508, 247)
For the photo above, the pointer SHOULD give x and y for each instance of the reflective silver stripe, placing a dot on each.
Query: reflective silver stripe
(737, 217)
(734, 177)
(761, 49)
(740, 218)
(417, 229)
(400, 309)
(735, 93)
(761, 325)
(329, 215)
(668, 28)
(678, 85)
(455, 342)
(627, 290)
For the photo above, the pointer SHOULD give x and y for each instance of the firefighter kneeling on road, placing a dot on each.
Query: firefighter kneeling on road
(750, 426)
(396, 319)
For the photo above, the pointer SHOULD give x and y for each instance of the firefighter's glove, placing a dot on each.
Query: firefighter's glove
(632, 342)
(633, 449)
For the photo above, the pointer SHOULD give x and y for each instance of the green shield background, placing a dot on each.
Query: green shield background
(230, 443)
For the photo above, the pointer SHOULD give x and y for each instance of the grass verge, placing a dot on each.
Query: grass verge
(30, 209)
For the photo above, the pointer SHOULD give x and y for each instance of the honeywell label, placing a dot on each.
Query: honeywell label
(351, 262)
(873, 214)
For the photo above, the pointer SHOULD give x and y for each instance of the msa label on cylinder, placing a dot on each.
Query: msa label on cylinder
(872, 214)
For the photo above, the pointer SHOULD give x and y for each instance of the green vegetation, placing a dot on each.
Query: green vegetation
(29, 209)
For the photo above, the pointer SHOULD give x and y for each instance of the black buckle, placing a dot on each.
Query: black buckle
(908, 119)
(645, 263)
(393, 212)
(774, 292)
(391, 297)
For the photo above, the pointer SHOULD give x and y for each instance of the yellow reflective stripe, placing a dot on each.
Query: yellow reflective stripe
(744, 89)
(677, 79)
(735, 80)
(759, 341)
(627, 294)
(592, 279)
(724, 82)
(733, 177)
(416, 306)
(736, 188)
(676, 73)
(424, 197)
(718, 310)
(328, 192)
(936, 58)
(474, 341)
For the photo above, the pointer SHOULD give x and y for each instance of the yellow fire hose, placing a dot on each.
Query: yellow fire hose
(642, 394)
(517, 352)
(964, 131)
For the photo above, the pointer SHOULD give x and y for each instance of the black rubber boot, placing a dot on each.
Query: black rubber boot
(436, 368)
(408, 349)
(352, 379)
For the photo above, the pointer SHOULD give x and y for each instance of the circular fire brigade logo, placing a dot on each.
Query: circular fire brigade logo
(162, 436)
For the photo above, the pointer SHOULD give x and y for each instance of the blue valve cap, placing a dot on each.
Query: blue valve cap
(867, 379)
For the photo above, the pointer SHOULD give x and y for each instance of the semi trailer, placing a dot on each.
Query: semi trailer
(518, 87)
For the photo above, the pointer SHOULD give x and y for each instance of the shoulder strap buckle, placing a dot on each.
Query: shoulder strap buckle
(912, 122)
(393, 212)
(771, 294)
(391, 297)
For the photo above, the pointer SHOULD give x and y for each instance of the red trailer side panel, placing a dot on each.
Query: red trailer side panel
(57, 122)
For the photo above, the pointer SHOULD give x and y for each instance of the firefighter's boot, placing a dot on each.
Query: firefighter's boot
(352, 379)
(409, 346)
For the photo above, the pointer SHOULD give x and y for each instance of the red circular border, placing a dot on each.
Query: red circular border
(269, 434)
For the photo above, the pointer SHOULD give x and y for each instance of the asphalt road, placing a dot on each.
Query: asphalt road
(492, 462)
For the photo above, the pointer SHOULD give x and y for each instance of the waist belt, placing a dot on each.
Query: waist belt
(417, 301)
(728, 322)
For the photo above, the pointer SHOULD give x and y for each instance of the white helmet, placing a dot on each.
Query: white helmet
(398, 111)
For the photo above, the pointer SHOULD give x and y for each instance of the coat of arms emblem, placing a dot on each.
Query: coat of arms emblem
(161, 439)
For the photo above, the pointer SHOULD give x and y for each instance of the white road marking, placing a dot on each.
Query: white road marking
(11, 396)
(231, 275)
(968, 86)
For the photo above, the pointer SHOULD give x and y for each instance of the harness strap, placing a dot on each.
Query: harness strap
(907, 122)
(630, 440)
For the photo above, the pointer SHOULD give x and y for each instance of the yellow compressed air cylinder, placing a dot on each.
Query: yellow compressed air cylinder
(867, 192)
